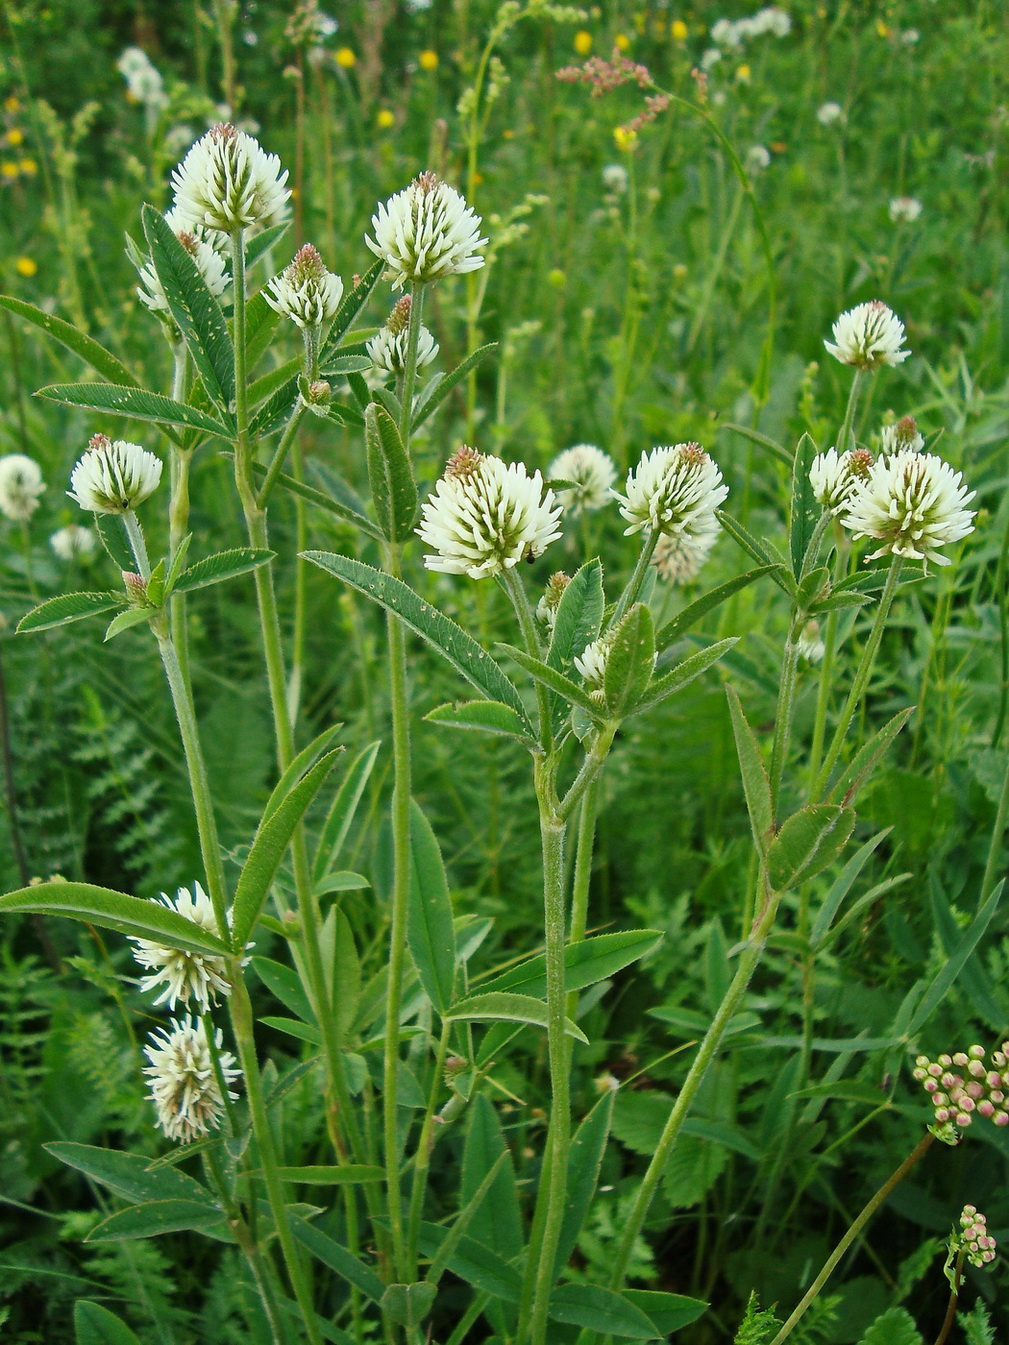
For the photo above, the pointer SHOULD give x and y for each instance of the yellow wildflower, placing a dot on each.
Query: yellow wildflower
(624, 138)
(621, 41)
(743, 73)
(15, 136)
(679, 30)
(583, 42)
(28, 167)
(556, 278)
(882, 29)
(25, 266)
(385, 119)
(8, 169)
(345, 58)
(428, 60)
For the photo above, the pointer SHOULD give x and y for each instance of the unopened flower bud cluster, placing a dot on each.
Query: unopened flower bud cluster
(962, 1086)
(973, 1238)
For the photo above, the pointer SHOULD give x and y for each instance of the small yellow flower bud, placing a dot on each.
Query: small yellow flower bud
(25, 266)
(345, 58)
(385, 119)
(428, 60)
(583, 42)
(679, 30)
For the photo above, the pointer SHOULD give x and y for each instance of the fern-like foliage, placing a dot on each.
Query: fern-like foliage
(758, 1325)
(977, 1326)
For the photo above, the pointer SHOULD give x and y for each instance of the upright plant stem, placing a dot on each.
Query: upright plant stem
(410, 364)
(846, 437)
(783, 714)
(995, 846)
(916, 1154)
(862, 675)
(630, 593)
(422, 1160)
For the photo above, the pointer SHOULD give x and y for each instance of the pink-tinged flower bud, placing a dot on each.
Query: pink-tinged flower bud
(975, 1052)
(976, 1068)
(975, 1090)
(942, 1115)
(967, 1104)
(931, 1086)
(1001, 1118)
(960, 1058)
(945, 1060)
(962, 1119)
(986, 1108)
(935, 1070)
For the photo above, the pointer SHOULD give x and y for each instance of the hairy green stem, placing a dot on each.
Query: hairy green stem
(280, 454)
(846, 437)
(630, 593)
(422, 1161)
(783, 713)
(410, 363)
(916, 1154)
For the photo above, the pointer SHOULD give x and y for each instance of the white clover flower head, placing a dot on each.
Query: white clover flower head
(388, 348)
(114, 477)
(910, 36)
(912, 503)
(709, 59)
(905, 209)
(209, 262)
(227, 181)
(758, 158)
(21, 486)
(902, 437)
(829, 114)
(835, 476)
(593, 473)
(426, 232)
(868, 336)
(615, 178)
(182, 1081)
(725, 33)
(185, 975)
(810, 644)
(674, 490)
(776, 21)
(591, 662)
(485, 515)
(679, 558)
(73, 543)
(143, 81)
(305, 291)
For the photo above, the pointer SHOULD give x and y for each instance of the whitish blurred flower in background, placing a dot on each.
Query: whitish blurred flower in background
(485, 515)
(185, 975)
(593, 473)
(143, 82)
(811, 646)
(73, 542)
(910, 36)
(709, 59)
(388, 348)
(679, 558)
(905, 209)
(425, 232)
(178, 138)
(227, 181)
(114, 477)
(758, 157)
(835, 476)
(733, 33)
(829, 114)
(21, 487)
(674, 491)
(902, 437)
(868, 336)
(209, 262)
(182, 1081)
(615, 178)
(305, 291)
(913, 503)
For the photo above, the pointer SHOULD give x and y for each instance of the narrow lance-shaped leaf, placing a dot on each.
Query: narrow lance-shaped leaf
(484, 716)
(197, 313)
(153, 1219)
(113, 910)
(134, 404)
(759, 550)
(951, 969)
(430, 932)
(508, 1007)
(100, 359)
(95, 1325)
(350, 306)
(392, 485)
(579, 616)
(341, 813)
(450, 640)
(331, 1254)
(803, 510)
(585, 1160)
(677, 678)
(807, 842)
(585, 962)
(326, 502)
(130, 1175)
(630, 662)
(430, 400)
(225, 565)
(866, 758)
(66, 608)
(756, 784)
(553, 680)
(600, 1309)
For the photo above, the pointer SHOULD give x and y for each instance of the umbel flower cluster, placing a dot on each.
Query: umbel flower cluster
(972, 1238)
(485, 515)
(962, 1086)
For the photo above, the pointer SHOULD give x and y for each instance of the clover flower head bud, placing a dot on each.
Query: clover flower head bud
(674, 491)
(317, 396)
(209, 262)
(592, 474)
(591, 662)
(678, 558)
(113, 477)
(426, 232)
(388, 348)
(546, 608)
(454, 1066)
(832, 479)
(73, 543)
(810, 644)
(829, 114)
(399, 319)
(903, 437)
(912, 503)
(21, 486)
(182, 1080)
(868, 336)
(905, 209)
(228, 182)
(183, 975)
(485, 515)
(305, 291)
(136, 588)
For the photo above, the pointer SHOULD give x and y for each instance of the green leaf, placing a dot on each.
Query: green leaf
(804, 510)
(807, 842)
(430, 932)
(276, 411)
(113, 910)
(669, 1312)
(95, 1325)
(584, 1162)
(450, 640)
(259, 244)
(894, 1327)
(286, 985)
(579, 616)
(224, 565)
(347, 364)
(842, 886)
(129, 1175)
(294, 1027)
(66, 608)
(485, 716)
(261, 321)
(197, 313)
(133, 616)
(864, 762)
(341, 813)
(441, 1259)
(758, 550)
(408, 1304)
(552, 679)
(85, 346)
(342, 881)
(435, 393)
(497, 1223)
(756, 784)
(630, 662)
(307, 757)
(945, 977)
(509, 1008)
(669, 683)
(272, 839)
(764, 440)
(337, 1258)
(585, 963)
(599, 1309)
(350, 306)
(134, 404)
(393, 490)
(348, 1175)
(700, 607)
(475, 1263)
(154, 1218)
(322, 501)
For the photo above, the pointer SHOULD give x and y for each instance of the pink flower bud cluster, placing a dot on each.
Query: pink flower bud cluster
(963, 1086)
(975, 1240)
(605, 76)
